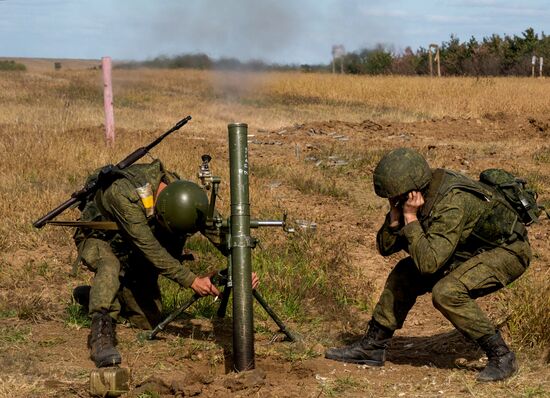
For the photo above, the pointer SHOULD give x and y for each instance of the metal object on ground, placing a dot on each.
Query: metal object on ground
(109, 382)
(241, 248)
(306, 226)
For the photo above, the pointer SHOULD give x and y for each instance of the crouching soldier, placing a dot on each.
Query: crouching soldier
(155, 213)
(463, 243)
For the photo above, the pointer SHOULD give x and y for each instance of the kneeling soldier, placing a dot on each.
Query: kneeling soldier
(462, 244)
(155, 213)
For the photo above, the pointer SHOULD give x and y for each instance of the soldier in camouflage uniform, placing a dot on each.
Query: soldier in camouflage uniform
(152, 229)
(463, 243)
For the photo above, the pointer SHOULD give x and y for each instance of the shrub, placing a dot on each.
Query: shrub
(12, 66)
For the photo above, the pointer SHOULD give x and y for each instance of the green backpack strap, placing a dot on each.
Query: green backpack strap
(435, 192)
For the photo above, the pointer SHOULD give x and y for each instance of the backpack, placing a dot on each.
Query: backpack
(499, 222)
(516, 193)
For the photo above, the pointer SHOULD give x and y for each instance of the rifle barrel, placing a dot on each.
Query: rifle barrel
(177, 126)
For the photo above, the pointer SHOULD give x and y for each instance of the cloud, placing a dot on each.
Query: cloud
(475, 3)
(383, 13)
(286, 31)
(453, 19)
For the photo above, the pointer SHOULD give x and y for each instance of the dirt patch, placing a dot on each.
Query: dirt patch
(542, 126)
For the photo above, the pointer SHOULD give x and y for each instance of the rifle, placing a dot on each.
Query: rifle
(104, 176)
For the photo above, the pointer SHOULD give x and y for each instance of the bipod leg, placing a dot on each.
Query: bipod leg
(151, 335)
(222, 309)
(273, 315)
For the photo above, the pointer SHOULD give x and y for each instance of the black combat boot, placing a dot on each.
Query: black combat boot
(502, 362)
(102, 341)
(369, 350)
(81, 295)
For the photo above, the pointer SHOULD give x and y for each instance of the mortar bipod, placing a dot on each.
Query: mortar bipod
(222, 279)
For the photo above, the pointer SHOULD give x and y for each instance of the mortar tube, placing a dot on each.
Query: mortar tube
(241, 248)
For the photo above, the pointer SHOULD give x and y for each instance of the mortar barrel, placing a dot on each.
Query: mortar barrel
(241, 246)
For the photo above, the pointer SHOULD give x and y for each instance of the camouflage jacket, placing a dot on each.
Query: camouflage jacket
(137, 234)
(462, 222)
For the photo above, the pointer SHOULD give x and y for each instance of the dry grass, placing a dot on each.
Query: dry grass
(528, 301)
(52, 137)
(21, 386)
(51, 128)
(410, 98)
(56, 118)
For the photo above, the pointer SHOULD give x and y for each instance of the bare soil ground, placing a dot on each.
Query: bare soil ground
(47, 357)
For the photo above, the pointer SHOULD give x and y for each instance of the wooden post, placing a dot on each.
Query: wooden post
(438, 62)
(108, 101)
(435, 47)
(334, 55)
(541, 62)
(338, 53)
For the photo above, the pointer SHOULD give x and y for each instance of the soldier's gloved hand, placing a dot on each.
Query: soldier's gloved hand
(414, 202)
(203, 286)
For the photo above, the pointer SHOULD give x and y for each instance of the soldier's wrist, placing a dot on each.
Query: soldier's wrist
(188, 280)
(409, 218)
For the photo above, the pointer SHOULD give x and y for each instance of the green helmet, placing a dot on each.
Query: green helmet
(399, 172)
(181, 207)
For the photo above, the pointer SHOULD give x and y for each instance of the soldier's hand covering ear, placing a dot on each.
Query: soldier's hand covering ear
(414, 202)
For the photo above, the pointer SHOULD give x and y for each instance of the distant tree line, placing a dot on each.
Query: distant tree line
(203, 61)
(492, 56)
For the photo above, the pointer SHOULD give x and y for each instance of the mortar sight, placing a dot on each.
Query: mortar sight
(205, 174)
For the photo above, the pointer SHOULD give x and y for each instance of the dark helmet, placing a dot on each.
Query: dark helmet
(181, 207)
(401, 171)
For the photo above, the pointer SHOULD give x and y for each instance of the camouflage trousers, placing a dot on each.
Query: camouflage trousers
(126, 288)
(453, 291)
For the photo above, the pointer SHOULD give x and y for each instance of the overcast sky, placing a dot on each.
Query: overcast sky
(284, 31)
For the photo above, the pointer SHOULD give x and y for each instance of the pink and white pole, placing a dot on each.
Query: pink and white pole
(108, 101)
